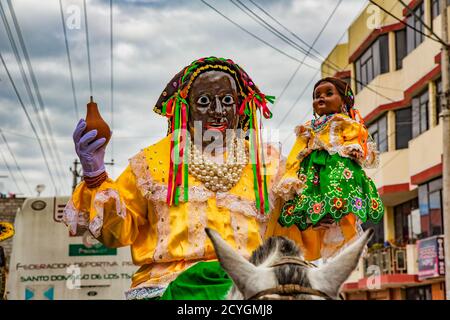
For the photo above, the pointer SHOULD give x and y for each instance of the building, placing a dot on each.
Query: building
(395, 73)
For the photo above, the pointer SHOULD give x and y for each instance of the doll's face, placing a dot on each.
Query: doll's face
(327, 99)
(213, 100)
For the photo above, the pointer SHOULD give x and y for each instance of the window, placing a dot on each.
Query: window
(419, 293)
(438, 99)
(413, 37)
(400, 48)
(404, 222)
(420, 113)
(378, 228)
(378, 131)
(436, 8)
(403, 128)
(430, 205)
(373, 62)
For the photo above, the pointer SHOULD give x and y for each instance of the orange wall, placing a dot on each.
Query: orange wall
(438, 291)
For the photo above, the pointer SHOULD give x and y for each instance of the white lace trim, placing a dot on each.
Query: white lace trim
(162, 252)
(314, 143)
(74, 218)
(95, 226)
(144, 293)
(157, 192)
(197, 222)
(288, 188)
(372, 159)
(237, 204)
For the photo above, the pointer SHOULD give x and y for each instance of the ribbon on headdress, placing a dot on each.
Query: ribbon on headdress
(176, 107)
(253, 102)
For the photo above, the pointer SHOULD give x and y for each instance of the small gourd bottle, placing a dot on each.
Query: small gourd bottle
(95, 121)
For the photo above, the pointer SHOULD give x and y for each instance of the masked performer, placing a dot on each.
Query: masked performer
(161, 204)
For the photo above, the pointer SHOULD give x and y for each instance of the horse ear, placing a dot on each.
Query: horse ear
(330, 277)
(241, 271)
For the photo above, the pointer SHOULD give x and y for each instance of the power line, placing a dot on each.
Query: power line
(285, 28)
(10, 172)
(406, 24)
(422, 22)
(253, 35)
(15, 161)
(35, 86)
(241, 6)
(69, 60)
(309, 83)
(245, 30)
(87, 46)
(310, 48)
(23, 74)
(112, 78)
(31, 124)
(298, 99)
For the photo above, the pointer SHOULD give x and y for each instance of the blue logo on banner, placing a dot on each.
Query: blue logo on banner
(40, 293)
(29, 294)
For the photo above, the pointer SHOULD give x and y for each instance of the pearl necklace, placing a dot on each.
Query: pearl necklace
(219, 176)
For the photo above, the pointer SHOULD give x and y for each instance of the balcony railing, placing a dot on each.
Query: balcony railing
(390, 260)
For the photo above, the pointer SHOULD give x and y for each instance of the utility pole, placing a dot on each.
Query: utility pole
(76, 173)
(445, 100)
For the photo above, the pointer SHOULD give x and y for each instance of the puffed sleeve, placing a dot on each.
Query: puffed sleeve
(112, 212)
(357, 144)
(290, 184)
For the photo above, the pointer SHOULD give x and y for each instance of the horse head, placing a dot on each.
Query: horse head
(277, 270)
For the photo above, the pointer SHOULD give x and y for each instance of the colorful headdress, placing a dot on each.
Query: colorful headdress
(173, 104)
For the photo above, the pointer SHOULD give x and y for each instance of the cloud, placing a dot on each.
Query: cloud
(153, 40)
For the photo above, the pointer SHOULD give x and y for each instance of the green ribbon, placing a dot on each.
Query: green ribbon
(186, 169)
(253, 159)
(176, 149)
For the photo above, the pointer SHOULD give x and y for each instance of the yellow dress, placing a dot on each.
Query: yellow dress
(338, 134)
(132, 211)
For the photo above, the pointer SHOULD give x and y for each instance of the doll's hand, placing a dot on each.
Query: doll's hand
(355, 154)
(324, 224)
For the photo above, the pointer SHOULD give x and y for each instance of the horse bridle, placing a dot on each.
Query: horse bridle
(288, 291)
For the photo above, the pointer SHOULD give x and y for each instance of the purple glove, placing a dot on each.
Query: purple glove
(91, 154)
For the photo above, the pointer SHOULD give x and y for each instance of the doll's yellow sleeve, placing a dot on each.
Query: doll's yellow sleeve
(290, 184)
(357, 144)
(112, 212)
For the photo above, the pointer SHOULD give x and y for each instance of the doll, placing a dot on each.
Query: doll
(326, 191)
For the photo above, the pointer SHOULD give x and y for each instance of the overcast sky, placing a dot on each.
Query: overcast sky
(153, 40)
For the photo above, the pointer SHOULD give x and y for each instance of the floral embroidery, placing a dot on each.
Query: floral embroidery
(290, 210)
(357, 203)
(338, 203)
(302, 177)
(317, 208)
(375, 204)
(347, 174)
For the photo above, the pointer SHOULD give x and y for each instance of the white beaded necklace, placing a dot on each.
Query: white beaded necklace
(219, 176)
